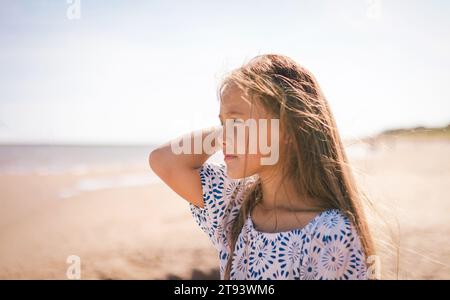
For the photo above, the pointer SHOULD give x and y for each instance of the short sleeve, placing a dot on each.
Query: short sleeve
(211, 217)
(333, 250)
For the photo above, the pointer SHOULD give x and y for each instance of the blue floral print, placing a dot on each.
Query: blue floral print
(328, 247)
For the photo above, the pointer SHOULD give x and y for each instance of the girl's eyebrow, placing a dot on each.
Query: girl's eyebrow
(231, 113)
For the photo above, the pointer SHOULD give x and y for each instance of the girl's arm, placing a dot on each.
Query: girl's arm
(180, 171)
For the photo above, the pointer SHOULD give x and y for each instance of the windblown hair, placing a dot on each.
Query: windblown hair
(314, 159)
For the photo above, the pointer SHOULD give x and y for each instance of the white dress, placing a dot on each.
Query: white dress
(328, 247)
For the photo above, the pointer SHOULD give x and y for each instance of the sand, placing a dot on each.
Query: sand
(409, 182)
(139, 232)
(146, 231)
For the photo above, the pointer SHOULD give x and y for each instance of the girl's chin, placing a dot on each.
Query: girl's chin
(232, 161)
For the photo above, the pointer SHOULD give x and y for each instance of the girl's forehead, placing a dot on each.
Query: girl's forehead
(236, 101)
(233, 99)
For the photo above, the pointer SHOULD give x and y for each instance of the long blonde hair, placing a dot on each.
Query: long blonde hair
(315, 159)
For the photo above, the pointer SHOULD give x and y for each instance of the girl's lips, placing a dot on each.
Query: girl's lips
(228, 157)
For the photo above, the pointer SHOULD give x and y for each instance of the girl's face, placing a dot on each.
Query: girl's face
(238, 110)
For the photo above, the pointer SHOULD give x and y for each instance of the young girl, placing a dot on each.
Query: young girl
(300, 218)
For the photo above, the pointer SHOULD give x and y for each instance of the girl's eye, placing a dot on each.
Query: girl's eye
(234, 121)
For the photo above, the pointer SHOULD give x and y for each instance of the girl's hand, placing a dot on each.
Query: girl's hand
(177, 162)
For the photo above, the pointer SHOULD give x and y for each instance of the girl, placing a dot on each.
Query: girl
(300, 218)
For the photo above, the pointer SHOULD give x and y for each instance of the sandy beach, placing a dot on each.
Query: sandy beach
(124, 224)
(127, 232)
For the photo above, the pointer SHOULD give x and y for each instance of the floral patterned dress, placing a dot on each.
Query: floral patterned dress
(328, 247)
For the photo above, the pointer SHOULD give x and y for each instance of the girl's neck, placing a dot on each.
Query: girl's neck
(279, 193)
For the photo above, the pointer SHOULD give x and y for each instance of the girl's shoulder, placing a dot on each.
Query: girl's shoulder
(216, 182)
(332, 222)
(332, 249)
(331, 218)
(222, 198)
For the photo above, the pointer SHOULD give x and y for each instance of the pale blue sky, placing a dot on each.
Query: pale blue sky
(146, 71)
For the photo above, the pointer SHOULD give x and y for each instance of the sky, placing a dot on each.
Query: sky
(137, 72)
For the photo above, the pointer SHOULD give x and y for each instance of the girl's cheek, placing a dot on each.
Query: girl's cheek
(245, 140)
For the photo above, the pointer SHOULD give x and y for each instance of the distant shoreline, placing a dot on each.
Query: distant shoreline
(416, 133)
(149, 145)
(442, 132)
(413, 132)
